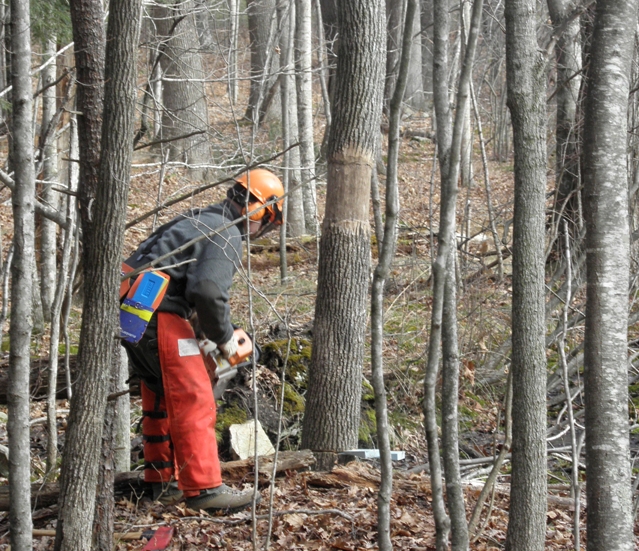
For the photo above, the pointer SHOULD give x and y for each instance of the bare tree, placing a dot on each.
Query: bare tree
(103, 228)
(185, 111)
(444, 312)
(331, 419)
(395, 10)
(295, 224)
(49, 147)
(304, 86)
(263, 76)
(387, 252)
(526, 81)
(22, 268)
(610, 523)
(568, 59)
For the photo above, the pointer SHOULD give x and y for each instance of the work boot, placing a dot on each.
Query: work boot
(222, 498)
(166, 494)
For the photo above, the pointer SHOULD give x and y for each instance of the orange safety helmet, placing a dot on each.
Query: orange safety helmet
(265, 187)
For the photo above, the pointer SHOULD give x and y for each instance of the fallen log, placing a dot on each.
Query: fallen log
(45, 495)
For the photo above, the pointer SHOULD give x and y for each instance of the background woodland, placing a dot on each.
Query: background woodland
(456, 278)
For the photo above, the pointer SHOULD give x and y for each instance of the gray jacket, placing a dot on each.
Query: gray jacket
(202, 285)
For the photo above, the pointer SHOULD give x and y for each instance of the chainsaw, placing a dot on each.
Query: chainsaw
(220, 369)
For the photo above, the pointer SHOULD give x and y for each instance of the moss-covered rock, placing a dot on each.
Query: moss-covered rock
(227, 416)
(297, 357)
(368, 393)
(367, 428)
(293, 401)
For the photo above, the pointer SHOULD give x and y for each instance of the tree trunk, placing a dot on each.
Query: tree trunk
(526, 83)
(48, 239)
(234, 24)
(184, 100)
(22, 269)
(394, 26)
(386, 254)
(610, 523)
(426, 25)
(291, 164)
(567, 55)
(441, 21)
(260, 19)
(331, 419)
(103, 236)
(304, 86)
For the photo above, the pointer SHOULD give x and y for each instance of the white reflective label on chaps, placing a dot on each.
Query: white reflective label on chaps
(188, 347)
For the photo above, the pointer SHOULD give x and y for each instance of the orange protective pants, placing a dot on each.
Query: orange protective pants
(179, 427)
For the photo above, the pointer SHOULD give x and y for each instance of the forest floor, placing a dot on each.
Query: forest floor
(301, 510)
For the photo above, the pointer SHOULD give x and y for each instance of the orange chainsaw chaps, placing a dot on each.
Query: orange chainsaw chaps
(190, 405)
(158, 451)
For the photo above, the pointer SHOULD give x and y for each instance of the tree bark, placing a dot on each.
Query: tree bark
(22, 269)
(526, 83)
(295, 225)
(260, 18)
(184, 100)
(387, 252)
(103, 236)
(567, 56)
(331, 419)
(48, 240)
(304, 86)
(607, 266)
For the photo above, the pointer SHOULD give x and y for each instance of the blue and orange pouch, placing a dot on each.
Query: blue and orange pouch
(141, 300)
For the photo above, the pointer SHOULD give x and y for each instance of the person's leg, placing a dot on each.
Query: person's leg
(158, 455)
(190, 405)
(159, 466)
(191, 408)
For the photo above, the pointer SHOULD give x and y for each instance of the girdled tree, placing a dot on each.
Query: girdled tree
(332, 415)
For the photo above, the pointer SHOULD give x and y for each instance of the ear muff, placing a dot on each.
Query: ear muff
(259, 215)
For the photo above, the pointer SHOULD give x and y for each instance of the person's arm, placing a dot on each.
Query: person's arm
(209, 282)
(212, 308)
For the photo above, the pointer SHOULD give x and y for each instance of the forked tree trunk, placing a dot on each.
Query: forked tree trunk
(610, 523)
(22, 269)
(526, 82)
(331, 420)
(386, 254)
(103, 227)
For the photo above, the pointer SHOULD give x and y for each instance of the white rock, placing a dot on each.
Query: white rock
(243, 440)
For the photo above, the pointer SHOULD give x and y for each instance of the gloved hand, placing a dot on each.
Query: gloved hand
(229, 349)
